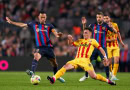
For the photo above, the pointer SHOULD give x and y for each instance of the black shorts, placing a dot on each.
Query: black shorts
(97, 53)
(47, 52)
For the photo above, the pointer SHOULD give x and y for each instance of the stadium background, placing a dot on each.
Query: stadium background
(16, 44)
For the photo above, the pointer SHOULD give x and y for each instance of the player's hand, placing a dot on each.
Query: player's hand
(84, 20)
(70, 37)
(8, 20)
(60, 34)
(105, 62)
(110, 24)
(123, 45)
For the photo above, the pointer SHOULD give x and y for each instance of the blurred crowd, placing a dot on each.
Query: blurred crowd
(24, 10)
(68, 13)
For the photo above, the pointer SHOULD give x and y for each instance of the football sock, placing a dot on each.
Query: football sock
(86, 74)
(115, 69)
(34, 65)
(60, 73)
(55, 70)
(101, 78)
(107, 71)
(110, 67)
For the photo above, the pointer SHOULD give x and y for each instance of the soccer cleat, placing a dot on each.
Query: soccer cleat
(51, 79)
(111, 83)
(30, 73)
(61, 80)
(113, 78)
(83, 78)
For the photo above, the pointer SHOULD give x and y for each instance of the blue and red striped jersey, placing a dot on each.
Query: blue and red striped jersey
(124, 55)
(42, 33)
(99, 32)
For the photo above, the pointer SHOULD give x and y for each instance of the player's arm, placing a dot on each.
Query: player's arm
(120, 39)
(96, 44)
(103, 53)
(70, 40)
(110, 40)
(56, 33)
(84, 21)
(16, 23)
(111, 28)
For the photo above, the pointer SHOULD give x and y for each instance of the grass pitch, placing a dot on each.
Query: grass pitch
(20, 81)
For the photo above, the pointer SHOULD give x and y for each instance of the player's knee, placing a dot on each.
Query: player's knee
(66, 66)
(93, 76)
(37, 56)
(116, 60)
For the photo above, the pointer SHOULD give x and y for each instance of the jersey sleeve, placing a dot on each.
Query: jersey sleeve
(91, 25)
(109, 28)
(51, 28)
(76, 43)
(116, 27)
(95, 44)
(30, 24)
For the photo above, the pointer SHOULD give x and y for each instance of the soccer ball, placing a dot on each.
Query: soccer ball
(35, 80)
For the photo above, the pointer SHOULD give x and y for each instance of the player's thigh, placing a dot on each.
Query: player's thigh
(73, 63)
(86, 65)
(109, 52)
(49, 53)
(116, 52)
(68, 66)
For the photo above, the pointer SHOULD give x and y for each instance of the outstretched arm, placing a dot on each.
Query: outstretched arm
(16, 23)
(120, 39)
(110, 40)
(105, 61)
(84, 21)
(56, 33)
(111, 28)
(70, 40)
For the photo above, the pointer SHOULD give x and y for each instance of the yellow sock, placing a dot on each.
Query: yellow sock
(110, 67)
(60, 73)
(101, 78)
(115, 69)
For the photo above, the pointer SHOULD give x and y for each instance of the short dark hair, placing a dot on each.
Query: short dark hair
(106, 15)
(88, 28)
(42, 12)
(100, 13)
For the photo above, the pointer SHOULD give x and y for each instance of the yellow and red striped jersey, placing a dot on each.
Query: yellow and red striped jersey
(112, 35)
(85, 47)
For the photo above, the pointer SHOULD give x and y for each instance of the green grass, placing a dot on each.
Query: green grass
(20, 81)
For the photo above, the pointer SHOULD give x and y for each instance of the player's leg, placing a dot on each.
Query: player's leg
(110, 55)
(55, 68)
(60, 73)
(106, 66)
(54, 64)
(49, 54)
(37, 57)
(99, 77)
(87, 66)
(93, 57)
(110, 66)
(116, 53)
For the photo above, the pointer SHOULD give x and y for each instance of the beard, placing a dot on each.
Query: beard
(100, 22)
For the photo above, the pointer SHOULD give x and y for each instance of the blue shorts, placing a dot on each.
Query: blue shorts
(46, 52)
(97, 53)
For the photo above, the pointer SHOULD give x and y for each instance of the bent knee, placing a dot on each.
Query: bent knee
(37, 56)
(94, 77)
